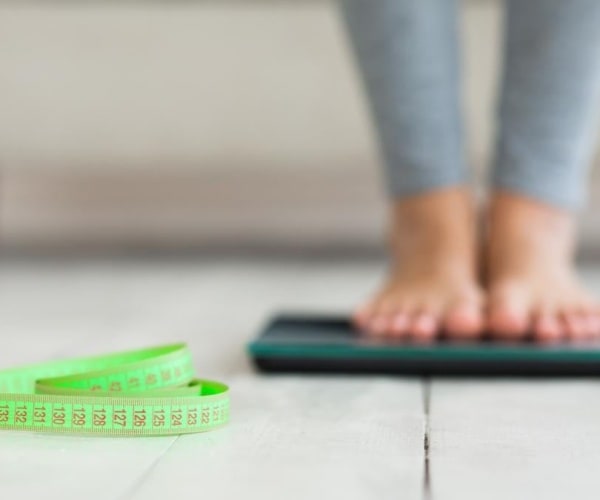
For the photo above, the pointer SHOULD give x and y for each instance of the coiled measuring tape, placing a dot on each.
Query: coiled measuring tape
(149, 392)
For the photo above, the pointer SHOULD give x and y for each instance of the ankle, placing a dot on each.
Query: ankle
(440, 212)
(436, 228)
(504, 205)
(520, 226)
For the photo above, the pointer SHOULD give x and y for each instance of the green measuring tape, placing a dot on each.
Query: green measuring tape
(149, 392)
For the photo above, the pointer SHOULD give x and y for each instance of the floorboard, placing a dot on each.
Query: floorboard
(289, 437)
(515, 439)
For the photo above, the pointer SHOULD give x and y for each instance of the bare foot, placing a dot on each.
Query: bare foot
(532, 282)
(433, 281)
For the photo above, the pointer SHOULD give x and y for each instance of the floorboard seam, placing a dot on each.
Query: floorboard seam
(426, 440)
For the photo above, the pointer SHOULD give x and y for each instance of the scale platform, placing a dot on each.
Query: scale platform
(329, 344)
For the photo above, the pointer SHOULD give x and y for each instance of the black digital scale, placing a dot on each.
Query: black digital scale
(326, 344)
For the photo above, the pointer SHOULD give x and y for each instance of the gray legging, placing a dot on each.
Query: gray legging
(408, 53)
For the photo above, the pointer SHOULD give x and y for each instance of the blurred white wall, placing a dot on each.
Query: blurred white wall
(198, 124)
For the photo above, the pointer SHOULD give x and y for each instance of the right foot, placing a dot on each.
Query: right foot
(432, 285)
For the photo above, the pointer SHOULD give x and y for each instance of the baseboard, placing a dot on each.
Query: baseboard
(161, 209)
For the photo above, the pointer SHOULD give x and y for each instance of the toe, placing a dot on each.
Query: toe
(589, 330)
(509, 324)
(591, 318)
(509, 316)
(379, 325)
(575, 325)
(547, 327)
(595, 324)
(592, 327)
(424, 327)
(464, 321)
(363, 316)
(400, 325)
(374, 318)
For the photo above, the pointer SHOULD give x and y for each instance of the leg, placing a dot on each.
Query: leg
(408, 55)
(547, 112)
(407, 51)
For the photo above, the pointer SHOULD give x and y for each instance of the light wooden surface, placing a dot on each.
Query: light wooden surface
(290, 437)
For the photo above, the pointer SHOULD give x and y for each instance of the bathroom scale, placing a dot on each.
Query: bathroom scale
(329, 344)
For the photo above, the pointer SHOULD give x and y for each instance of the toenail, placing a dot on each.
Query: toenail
(378, 325)
(400, 322)
(425, 322)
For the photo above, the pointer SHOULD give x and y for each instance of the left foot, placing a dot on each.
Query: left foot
(533, 288)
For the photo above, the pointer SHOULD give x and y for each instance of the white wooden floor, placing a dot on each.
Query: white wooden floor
(290, 437)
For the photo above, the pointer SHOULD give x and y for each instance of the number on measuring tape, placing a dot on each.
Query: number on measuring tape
(138, 393)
